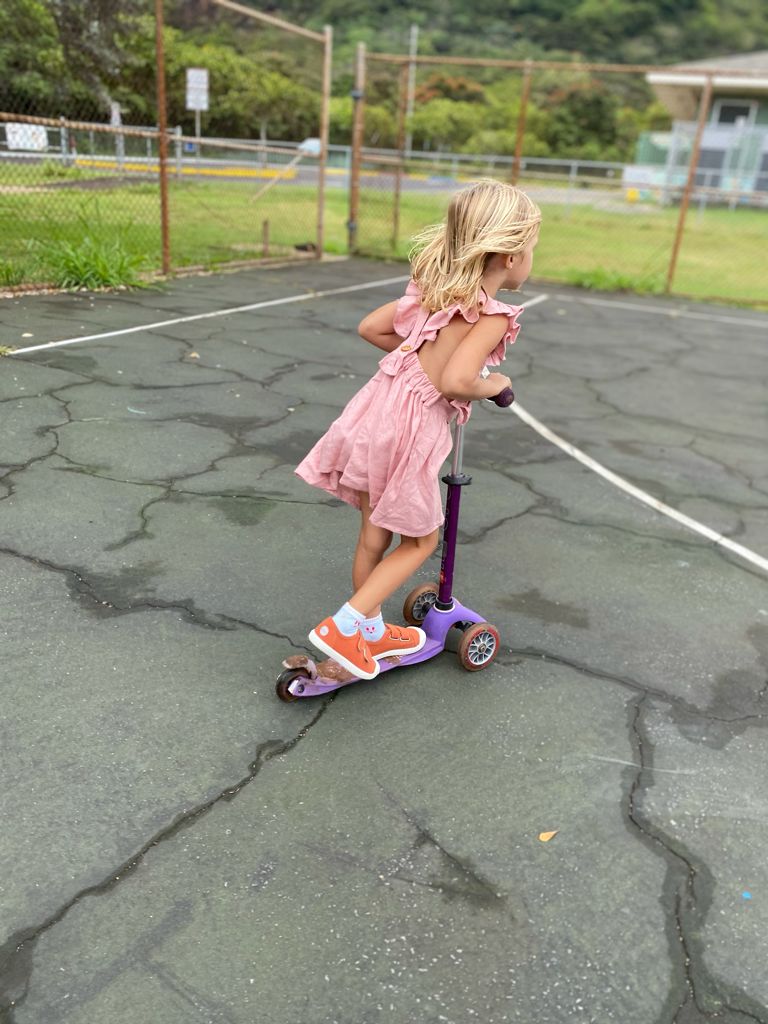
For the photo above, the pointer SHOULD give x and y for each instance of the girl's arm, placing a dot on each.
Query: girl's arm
(461, 377)
(379, 328)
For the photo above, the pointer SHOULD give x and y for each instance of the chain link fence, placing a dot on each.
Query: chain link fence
(80, 179)
(632, 197)
(637, 193)
(247, 175)
(75, 193)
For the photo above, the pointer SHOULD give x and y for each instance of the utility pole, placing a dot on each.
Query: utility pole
(356, 154)
(162, 137)
(413, 49)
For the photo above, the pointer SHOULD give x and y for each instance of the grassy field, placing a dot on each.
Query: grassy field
(605, 245)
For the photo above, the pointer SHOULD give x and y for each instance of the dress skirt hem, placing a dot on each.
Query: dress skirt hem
(389, 442)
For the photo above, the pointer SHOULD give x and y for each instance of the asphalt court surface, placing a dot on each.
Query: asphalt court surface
(179, 846)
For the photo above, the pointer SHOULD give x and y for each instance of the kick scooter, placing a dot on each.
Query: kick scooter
(431, 606)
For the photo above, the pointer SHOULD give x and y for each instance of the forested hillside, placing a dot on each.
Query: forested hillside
(72, 57)
(627, 31)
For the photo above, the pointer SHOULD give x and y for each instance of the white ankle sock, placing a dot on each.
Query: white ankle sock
(373, 629)
(348, 620)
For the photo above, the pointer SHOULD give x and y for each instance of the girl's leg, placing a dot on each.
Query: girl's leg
(372, 545)
(391, 572)
(376, 577)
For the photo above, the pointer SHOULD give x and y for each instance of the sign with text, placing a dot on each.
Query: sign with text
(197, 88)
(32, 137)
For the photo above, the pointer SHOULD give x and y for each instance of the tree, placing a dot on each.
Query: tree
(95, 37)
(244, 93)
(32, 65)
(444, 124)
(380, 129)
(449, 87)
(581, 120)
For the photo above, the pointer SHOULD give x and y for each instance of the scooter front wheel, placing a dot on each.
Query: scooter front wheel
(285, 679)
(479, 646)
(418, 603)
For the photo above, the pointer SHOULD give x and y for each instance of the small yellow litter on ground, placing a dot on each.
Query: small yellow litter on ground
(546, 836)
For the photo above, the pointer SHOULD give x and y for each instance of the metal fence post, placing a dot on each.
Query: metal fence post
(412, 51)
(162, 124)
(521, 119)
(402, 108)
(64, 141)
(571, 184)
(358, 123)
(706, 98)
(324, 130)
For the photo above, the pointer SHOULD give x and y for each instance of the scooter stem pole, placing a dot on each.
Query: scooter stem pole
(455, 481)
(458, 450)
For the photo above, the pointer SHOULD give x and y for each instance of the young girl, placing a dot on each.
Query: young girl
(383, 454)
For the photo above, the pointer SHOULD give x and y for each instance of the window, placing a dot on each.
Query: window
(732, 111)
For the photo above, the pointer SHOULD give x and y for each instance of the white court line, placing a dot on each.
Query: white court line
(532, 422)
(647, 499)
(305, 297)
(665, 311)
(535, 300)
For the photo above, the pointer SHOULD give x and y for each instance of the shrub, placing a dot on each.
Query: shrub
(92, 262)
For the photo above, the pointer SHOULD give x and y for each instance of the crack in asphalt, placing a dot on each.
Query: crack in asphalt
(81, 587)
(695, 995)
(695, 992)
(16, 954)
(633, 685)
(52, 428)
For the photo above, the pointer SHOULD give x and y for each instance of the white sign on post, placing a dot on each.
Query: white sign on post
(197, 88)
(26, 136)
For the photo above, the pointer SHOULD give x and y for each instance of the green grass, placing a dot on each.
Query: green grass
(603, 280)
(216, 221)
(722, 255)
(94, 261)
(13, 272)
(36, 174)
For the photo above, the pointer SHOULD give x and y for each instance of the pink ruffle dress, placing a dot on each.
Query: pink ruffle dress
(394, 435)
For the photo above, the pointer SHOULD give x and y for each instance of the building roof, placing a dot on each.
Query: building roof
(756, 61)
(679, 86)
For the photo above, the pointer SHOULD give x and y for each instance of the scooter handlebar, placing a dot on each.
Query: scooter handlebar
(504, 398)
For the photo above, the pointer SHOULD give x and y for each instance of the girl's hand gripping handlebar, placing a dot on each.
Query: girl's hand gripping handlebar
(505, 398)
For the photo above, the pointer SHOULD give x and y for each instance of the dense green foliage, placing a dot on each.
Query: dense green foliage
(625, 31)
(74, 56)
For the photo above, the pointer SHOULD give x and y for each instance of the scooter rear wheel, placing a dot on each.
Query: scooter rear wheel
(418, 603)
(285, 679)
(479, 646)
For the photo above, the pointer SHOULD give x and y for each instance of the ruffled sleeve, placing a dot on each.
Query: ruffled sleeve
(511, 333)
(407, 310)
(416, 325)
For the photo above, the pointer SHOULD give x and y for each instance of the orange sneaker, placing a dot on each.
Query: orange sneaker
(397, 640)
(351, 652)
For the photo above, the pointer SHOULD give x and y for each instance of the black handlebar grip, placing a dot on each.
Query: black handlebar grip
(504, 398)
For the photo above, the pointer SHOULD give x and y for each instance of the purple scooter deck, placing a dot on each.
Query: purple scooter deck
(328, 675)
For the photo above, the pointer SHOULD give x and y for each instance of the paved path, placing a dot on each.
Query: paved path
(179, 846)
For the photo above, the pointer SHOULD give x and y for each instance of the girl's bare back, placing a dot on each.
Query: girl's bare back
(434, 355)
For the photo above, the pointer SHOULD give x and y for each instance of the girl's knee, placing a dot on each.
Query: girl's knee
(375, 540)
(424, 545)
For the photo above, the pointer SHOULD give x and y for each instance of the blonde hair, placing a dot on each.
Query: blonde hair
(449, 259)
